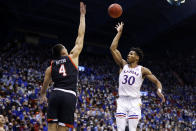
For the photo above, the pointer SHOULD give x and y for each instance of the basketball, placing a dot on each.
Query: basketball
(115, 10)
(176, 2)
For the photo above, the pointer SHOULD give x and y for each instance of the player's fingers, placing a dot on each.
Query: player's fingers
(163, 98)
(41, 101)
(84, 6)
(121, 25)
(163, 101)
(80, 4)
(44, 99)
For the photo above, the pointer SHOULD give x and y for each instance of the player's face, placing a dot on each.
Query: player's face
(2, 119)
(64, 51)
(132, 57)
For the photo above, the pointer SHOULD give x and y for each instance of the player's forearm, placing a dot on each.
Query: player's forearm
(81, 30)
(43, 89)
(115, 41)
(159, 88)
(159, 85)
(1, 128)
(159, 92)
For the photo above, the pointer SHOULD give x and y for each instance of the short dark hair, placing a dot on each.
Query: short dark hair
(56, 51)
(139, 53)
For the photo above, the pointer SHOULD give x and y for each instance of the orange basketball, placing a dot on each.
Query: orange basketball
(115, 10)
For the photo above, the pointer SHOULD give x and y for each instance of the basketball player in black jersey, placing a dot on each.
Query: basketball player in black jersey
(63, 72)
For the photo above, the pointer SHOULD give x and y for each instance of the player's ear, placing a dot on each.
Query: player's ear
(64, 51)
(137, 58)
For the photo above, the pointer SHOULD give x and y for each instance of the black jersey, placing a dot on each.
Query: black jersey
(64, 73)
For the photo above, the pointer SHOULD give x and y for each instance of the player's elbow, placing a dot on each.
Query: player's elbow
(79, 45)
(112, 48)
(112, 51)
(79, 41)
(45, 84)
(80, 36)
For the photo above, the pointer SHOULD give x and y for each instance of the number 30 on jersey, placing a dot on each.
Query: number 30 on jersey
(130, 80)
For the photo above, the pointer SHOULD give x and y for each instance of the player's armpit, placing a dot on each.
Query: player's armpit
(75, 52)
(148, 74)
(120, 70)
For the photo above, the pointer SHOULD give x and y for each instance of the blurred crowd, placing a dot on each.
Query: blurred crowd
(22, 73)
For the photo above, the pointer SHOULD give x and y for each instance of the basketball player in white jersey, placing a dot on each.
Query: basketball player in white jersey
(130, 80)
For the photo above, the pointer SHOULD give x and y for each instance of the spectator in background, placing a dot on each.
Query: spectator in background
(2, 122)
(97, 91)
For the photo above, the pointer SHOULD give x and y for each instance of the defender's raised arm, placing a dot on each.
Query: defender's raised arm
(75, 52)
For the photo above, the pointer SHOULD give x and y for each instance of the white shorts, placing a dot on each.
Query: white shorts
(129, 107)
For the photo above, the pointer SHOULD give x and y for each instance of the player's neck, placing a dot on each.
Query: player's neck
(133, 65)
(64, 55)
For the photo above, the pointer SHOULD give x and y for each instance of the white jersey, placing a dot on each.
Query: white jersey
(130, 81)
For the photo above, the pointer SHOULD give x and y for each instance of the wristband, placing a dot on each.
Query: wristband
(159, 90)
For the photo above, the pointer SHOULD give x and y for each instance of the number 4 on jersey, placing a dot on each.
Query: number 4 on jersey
(62, 70)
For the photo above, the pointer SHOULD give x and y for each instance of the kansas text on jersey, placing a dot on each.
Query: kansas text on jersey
(130, 81)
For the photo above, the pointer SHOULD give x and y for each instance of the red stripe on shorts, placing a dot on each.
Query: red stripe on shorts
(68, 125)
(133, 118)
(120, 115)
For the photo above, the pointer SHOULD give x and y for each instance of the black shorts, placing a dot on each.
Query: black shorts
(61, 108)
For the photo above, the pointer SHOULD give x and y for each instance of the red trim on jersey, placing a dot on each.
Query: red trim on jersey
(49, 120)
(73, 63)
(68, 125)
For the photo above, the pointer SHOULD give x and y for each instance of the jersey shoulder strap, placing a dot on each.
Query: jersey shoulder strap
(72, 62)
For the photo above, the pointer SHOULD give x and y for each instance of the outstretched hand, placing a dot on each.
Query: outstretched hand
(161, 96)
(43, 99)
(119, 27)
(82, 8)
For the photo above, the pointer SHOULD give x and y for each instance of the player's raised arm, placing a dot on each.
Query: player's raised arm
(75, 52)
(47, 80)
(148, 74)
(113, 48)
